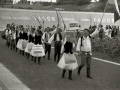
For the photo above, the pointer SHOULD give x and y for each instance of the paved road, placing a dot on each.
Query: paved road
(47, 76)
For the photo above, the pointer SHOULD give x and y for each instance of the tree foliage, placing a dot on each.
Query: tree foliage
(74, 2)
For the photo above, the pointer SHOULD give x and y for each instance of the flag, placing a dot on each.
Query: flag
(61, 23)
(38, 21)
(117, 11)
(60, 20)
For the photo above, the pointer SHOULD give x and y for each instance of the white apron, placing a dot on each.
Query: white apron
(37, 51)
(29, 47)
(68, 62)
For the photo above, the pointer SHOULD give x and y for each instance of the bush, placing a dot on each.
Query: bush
(46, 3)
(29, 7)
(107, 46)
(82, 2)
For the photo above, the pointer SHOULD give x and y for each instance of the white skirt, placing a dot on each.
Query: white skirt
(37, 51)
(24, 44)
(29, 47)
(19, 44)
(68, 62)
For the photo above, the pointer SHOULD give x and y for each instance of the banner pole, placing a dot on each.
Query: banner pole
(104, 12)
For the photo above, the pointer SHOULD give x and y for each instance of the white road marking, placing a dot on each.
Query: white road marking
(102, 60)
(10, 80)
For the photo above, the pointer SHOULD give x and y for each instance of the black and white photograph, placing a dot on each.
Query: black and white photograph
(60, 45)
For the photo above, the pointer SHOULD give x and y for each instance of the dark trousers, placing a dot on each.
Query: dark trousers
(57, 48)
(16, 41)
(47, 49)
(70, 73)
(85, 60)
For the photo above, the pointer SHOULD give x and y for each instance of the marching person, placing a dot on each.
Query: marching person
(17, 31)
(85, 50)
(68, 60)
(38, 50)
(7, 34)
(45, 39)
(21, 37)
(30, 44)
(57, 37)
(13, 38)
(25, 40)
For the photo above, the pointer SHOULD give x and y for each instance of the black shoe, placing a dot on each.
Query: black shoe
(78, 73)
(70, 78)
(89, 77)
(49, 59)
(39, 63)
(44, 57)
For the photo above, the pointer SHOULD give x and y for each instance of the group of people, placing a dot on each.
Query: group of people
(111, 31)
(36, 43)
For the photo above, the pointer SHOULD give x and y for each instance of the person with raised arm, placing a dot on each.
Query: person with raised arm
(68, 60)
(84, 49)
(57, 38)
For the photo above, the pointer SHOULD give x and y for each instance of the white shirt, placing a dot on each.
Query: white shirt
(10, 32)
(86, 42)
(52, 38)
(14, 35)
(43, 37)
(6, 32)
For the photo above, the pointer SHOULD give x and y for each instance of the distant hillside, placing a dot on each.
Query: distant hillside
(90, 7)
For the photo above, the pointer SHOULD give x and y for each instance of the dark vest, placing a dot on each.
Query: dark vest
(68, 47)
(46, 36)
(55, 37)
(38, 39)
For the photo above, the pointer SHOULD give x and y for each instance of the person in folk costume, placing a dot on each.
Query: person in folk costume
(19, 44)
(57, 38)
(84, 49)
(45, 39)
(37, 49)
(25, 40)
(7, 33)
(13, 38)
(101, 32)
(30, 44)
(9, 36)
(68, 60)
(17, 31)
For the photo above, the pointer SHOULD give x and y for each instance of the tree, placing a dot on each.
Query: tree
(82, 2)
(103, 1)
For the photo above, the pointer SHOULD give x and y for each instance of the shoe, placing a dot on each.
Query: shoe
(78, 73)
(44, 57)
(70, 78)
(39, 63)
(89, 77)
(49, 59)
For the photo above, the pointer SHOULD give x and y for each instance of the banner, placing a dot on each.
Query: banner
(28, 17)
